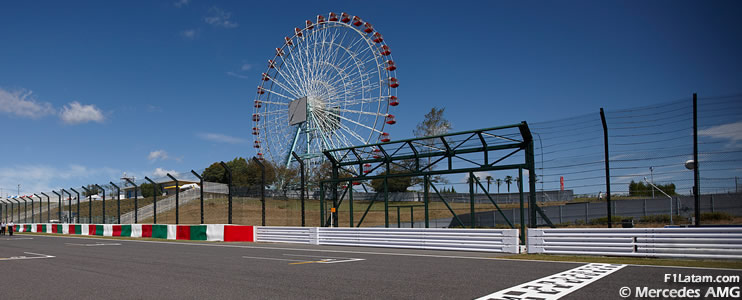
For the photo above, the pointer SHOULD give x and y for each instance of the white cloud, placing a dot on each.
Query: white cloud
(240, 76)
(181, 3)
(160, 172)
(220, 138)
(76, 113)
(220, 18)
(190, 34)
(158, 154)
(731, 132)
(44, 178)
(21, 103)
(246, 67)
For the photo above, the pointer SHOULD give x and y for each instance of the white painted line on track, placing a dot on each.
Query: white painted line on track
(27, 257)
(329, 260)
(558, 285)
(15, 239)
(94, 245)
(270, 258)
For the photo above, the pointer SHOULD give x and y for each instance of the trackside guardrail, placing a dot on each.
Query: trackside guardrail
(720, 243)
(296, 235)
(488, 240)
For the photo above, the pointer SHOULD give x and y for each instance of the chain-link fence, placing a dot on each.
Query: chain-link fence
(648, 148)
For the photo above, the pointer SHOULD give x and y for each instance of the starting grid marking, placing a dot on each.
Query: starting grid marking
(557, 285)
(36, 255)
(321, 260)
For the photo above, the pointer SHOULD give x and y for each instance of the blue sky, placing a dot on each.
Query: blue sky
(91, 89)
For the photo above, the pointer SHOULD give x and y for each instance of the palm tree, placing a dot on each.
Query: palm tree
(508, 181)
(489, 181)
(517, 181)
(498, 182)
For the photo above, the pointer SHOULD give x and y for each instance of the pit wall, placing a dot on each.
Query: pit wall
(210, 232)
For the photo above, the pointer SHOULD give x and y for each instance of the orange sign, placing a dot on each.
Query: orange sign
(332, 209)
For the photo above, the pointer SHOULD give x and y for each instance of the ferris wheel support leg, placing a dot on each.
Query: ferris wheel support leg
(293, 146)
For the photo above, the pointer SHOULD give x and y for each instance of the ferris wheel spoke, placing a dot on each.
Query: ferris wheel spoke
(279, 94)
(354, 122)
(275, 103)
(360, 112)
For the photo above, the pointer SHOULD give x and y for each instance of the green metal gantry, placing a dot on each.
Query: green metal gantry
(471, 151)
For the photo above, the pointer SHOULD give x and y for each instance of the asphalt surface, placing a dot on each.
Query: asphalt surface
(59, 267)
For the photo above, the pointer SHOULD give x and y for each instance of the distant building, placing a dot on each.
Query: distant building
(167, 188)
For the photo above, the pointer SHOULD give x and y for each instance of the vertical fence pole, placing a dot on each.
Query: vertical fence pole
(301, 169)
(350, 203)
(696, 180)
(48, 213)
(32, 216)
(118, 200)
(426, 191)
(321, 204)
(90, 205)
(201, 188)
(262, 187)
(412, 217)
(154, 198)
(386, 202)
(229, 191)
(177, 194)
(471, 199)
(399, 218)
(78, 204)
(59, 206)
(69, 205)
(103, 209)
(41, 214)
(607, 169)
(136, 203)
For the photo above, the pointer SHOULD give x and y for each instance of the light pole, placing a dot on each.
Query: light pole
(663, 192)
(651, 177)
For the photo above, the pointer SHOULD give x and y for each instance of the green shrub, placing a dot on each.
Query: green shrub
(655, 219)
(604, 220)
(716, 216)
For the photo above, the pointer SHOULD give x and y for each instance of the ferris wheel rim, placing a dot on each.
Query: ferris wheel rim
(383, 76)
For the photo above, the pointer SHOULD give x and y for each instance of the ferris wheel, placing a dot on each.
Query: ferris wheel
(330, 85)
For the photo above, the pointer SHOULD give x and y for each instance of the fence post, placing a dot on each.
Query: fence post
(644, 207)
(118, 200)
(177, 195)
(301, 168)
(696, 180)
(103, 203)
(136, 203)
(426, 199)
(154, 198)
(40, 206)
(587, 211)
(201, 187)
(262, 187)
(561, 221)
(78, 204)
(712, 203)
(229, 191)
(69, 205)
(90, 205)
(607, 168)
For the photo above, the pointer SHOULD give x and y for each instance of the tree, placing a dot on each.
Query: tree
(93, 190)
(285, 178)
(489, 181)
(645, 190)
(394, 184)
(498, 181)
(244, 172)
(434, 123)
(508, 181)
(146, 190)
